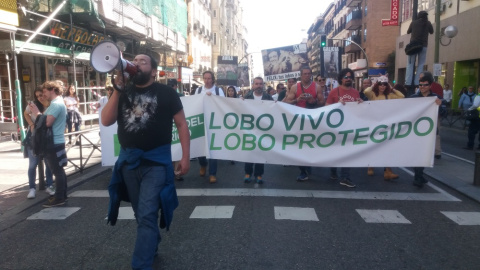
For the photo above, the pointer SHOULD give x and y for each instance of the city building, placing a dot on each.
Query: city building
(459, 56)
(61, 49)
(346, 24)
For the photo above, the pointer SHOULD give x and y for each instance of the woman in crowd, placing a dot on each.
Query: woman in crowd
(381, 90)
(74, 117)
(231, 92)
(33, 160)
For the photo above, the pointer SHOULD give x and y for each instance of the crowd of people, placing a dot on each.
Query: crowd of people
(307, 93)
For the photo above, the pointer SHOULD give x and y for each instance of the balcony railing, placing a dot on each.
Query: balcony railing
(354, 20)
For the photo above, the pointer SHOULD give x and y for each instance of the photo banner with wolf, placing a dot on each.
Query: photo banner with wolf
(284, 62)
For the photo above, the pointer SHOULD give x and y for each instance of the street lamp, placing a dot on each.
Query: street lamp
(449, 31)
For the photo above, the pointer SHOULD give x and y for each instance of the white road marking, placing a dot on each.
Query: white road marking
(382, 216)
(463, 218)
(205, 212)
(54, 213)
(295, 193)
(295, 213)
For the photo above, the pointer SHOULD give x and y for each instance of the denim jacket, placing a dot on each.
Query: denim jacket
(118, 191)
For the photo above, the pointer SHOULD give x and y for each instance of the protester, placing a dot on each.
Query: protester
(103, 100)
(447, 95)
(74, 118)
(305, 94)
(400, 88)
(42, 104)
(425, 83)
(257, 93)
(466, 100)
(474, 126)
(144, 167)
(437, 89)
(231, 92)
(381, 90)
(209, 89)
(282, 94)
(323, 87)
(419, 30)
(344, 93)
(56, 156)
(366, 83)
(174, 84)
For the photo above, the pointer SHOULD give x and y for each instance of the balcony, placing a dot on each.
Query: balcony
(350, 47)
(354, 20)
(353, 3)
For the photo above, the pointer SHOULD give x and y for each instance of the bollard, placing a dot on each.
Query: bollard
(476, 174)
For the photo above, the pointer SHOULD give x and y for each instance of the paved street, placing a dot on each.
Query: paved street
(282, 224)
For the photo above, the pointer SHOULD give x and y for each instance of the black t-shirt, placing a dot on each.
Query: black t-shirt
(145, 116)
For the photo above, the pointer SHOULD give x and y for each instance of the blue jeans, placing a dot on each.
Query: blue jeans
(55, 159)
(144, 184)
(422, 56)
(32, 170)
(344, 172)
(259, 169)
(212, 168)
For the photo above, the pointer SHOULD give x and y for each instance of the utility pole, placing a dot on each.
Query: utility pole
(437, 34)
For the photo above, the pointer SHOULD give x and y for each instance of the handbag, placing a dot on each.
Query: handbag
(472, 115)
(413, 47)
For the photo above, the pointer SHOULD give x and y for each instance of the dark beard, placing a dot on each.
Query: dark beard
(348, 83)
(141, 78)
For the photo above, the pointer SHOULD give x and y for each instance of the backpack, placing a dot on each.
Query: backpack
(216, 89)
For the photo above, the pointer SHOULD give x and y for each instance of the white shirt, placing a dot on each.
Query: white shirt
(70, 102)
(447, 95)
(275, 97)
(211, 90)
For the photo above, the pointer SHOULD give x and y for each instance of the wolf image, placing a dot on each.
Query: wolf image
(138, 115)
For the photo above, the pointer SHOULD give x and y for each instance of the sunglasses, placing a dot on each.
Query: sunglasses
(423, 84)
(348, 77)
(384, 83)
(321, 80)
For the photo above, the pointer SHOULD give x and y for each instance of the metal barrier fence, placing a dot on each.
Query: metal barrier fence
(454, 118)
(76, 161)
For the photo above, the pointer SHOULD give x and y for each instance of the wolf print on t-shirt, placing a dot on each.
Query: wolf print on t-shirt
(142, 107)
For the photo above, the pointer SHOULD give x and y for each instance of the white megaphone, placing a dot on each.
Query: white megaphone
(106, 57)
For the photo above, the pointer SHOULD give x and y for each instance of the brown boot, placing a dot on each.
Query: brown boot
(370, 171)
(389, 175)
(203, 170)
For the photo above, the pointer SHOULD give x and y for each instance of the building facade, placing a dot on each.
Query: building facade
(459, 56)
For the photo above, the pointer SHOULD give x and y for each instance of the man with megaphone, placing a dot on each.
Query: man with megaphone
(143, 173)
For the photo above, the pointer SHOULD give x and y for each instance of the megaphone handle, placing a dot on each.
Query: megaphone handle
(115, 85)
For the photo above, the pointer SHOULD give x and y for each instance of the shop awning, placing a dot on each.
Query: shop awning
(44, 50)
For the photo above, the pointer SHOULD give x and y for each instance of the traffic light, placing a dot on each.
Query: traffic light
(323, 41)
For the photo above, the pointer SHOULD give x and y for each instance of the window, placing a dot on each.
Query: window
(214, 13)
(365, 34)
(214, 38)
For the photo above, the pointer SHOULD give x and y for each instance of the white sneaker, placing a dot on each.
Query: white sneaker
(31, 194)
(50, 190)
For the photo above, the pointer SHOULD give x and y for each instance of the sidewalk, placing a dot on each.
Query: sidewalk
(14, 179)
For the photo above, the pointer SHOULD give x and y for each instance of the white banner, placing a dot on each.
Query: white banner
(390, 133)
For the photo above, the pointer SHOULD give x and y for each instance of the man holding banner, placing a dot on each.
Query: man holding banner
(305, 94)
(344, 93)
(209, 89)
(143, 173)
(256, 94)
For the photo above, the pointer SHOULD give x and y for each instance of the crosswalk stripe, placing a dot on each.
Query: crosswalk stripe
(382, 216)
(295, 213)
(293, 193)
(57, 213)
(463, 218)
(216, 211)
